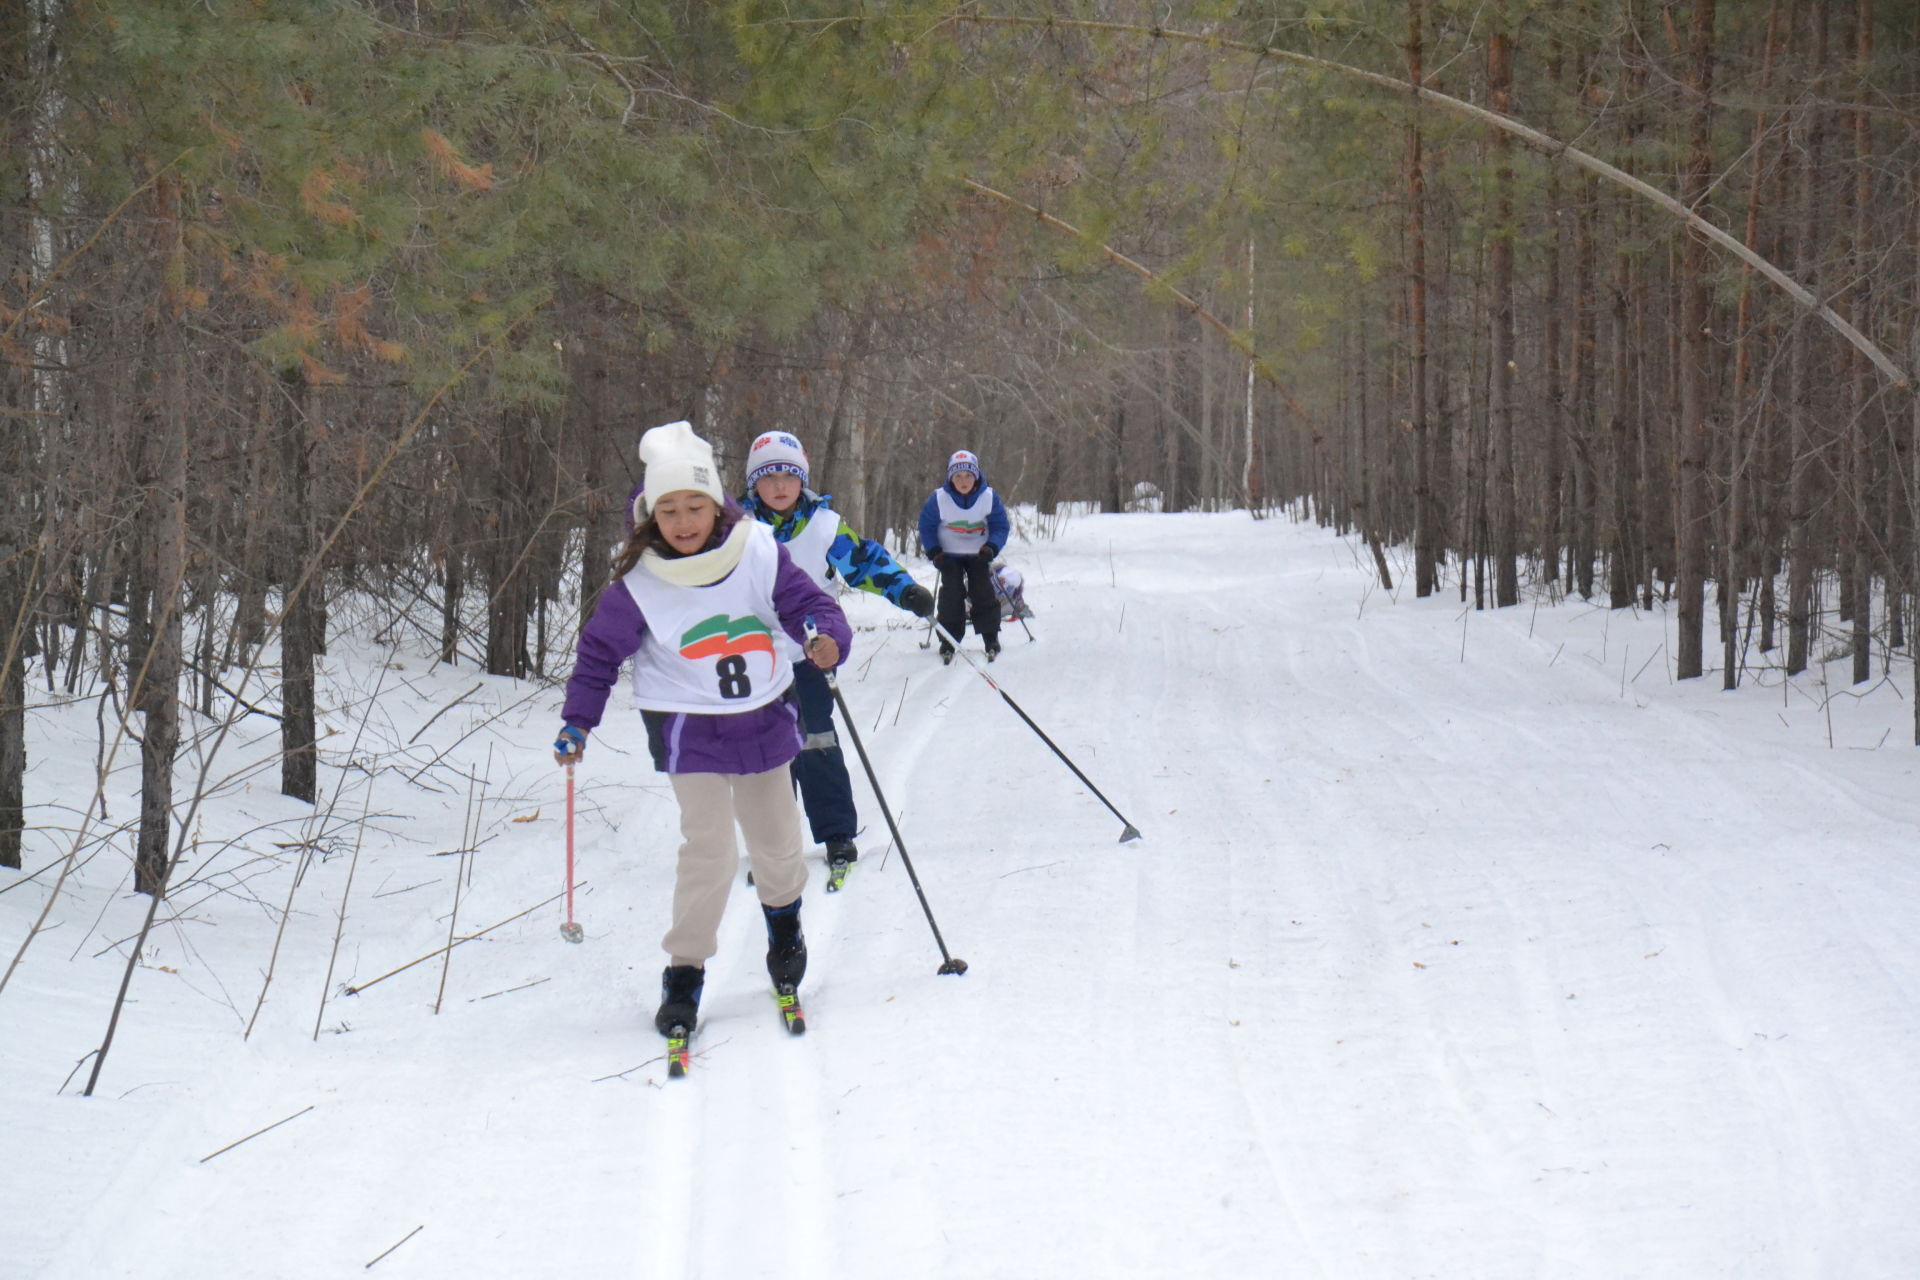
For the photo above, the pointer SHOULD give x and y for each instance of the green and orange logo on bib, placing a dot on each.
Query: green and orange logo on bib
(724, 637)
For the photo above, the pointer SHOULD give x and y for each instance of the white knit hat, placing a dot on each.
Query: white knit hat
(676, 459)
(776, 453)
(963, 460)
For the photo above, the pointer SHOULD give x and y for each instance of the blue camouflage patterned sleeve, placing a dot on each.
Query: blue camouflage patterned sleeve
(864, 563)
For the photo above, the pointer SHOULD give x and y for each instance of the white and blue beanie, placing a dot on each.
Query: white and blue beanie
(776, 453)
(963, 460)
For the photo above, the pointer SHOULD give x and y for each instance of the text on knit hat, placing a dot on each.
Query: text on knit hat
(776, 453)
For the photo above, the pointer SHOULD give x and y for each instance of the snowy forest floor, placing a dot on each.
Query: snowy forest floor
(1457, 945)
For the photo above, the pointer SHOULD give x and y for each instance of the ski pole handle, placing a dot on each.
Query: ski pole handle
(813, 633)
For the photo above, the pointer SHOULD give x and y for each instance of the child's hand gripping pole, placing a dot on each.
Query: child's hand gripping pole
(813, 637)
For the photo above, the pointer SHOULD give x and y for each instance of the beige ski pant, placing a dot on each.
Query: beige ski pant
(769, 818)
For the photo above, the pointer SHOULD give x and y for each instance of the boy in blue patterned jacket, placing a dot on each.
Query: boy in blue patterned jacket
(822, 544)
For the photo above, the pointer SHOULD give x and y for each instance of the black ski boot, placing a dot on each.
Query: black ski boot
(786, 946)
(841, 855)
(680, 986)
(946, 653)
(993, 646)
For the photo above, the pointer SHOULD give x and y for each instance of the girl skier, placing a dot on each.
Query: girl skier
(962, 527)
(822, 544)
(713, 611)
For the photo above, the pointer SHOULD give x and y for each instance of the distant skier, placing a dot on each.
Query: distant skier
(962, 527)
(713, 612)
(822, 544)
(1009, 587)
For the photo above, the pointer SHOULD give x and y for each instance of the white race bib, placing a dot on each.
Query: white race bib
(809, 547)
(963, 530)
(716, 649)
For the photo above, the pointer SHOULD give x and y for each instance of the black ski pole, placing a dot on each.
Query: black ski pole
(950, 964)
(1131, 832)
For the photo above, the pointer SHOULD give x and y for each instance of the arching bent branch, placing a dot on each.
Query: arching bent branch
(1532, 137)
(1240, 343)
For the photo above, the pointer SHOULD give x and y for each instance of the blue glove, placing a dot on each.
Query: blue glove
(571, 742)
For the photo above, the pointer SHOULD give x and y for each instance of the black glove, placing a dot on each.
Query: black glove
(987, 552)
(918, 599)
(939, 558)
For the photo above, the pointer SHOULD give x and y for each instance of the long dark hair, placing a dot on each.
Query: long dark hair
(647, 536)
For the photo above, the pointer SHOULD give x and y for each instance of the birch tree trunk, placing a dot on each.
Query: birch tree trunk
(1251, 484)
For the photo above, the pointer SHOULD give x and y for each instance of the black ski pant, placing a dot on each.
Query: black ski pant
(961, 578)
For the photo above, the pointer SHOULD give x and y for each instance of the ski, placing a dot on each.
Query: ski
(677, 1053)
(837, 875)
(790, 1011)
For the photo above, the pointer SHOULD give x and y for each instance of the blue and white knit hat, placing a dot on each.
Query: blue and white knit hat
(963, 460)
(776, 453)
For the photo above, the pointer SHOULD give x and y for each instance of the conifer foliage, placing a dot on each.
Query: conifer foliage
(354, 300)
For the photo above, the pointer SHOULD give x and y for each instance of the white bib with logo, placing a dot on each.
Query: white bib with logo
(718, 649)
(809, 547)
(962, 533)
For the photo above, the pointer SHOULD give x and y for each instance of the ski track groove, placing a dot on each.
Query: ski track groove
(1201, 633)
(668, 1225)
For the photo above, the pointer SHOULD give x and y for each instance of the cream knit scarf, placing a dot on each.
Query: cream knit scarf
(703, 568)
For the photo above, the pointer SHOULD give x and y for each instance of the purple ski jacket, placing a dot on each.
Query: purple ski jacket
(682, 742)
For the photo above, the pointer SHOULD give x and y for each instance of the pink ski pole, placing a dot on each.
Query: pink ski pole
(570, 930)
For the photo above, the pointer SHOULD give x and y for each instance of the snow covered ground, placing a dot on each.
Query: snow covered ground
(1459, 944)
